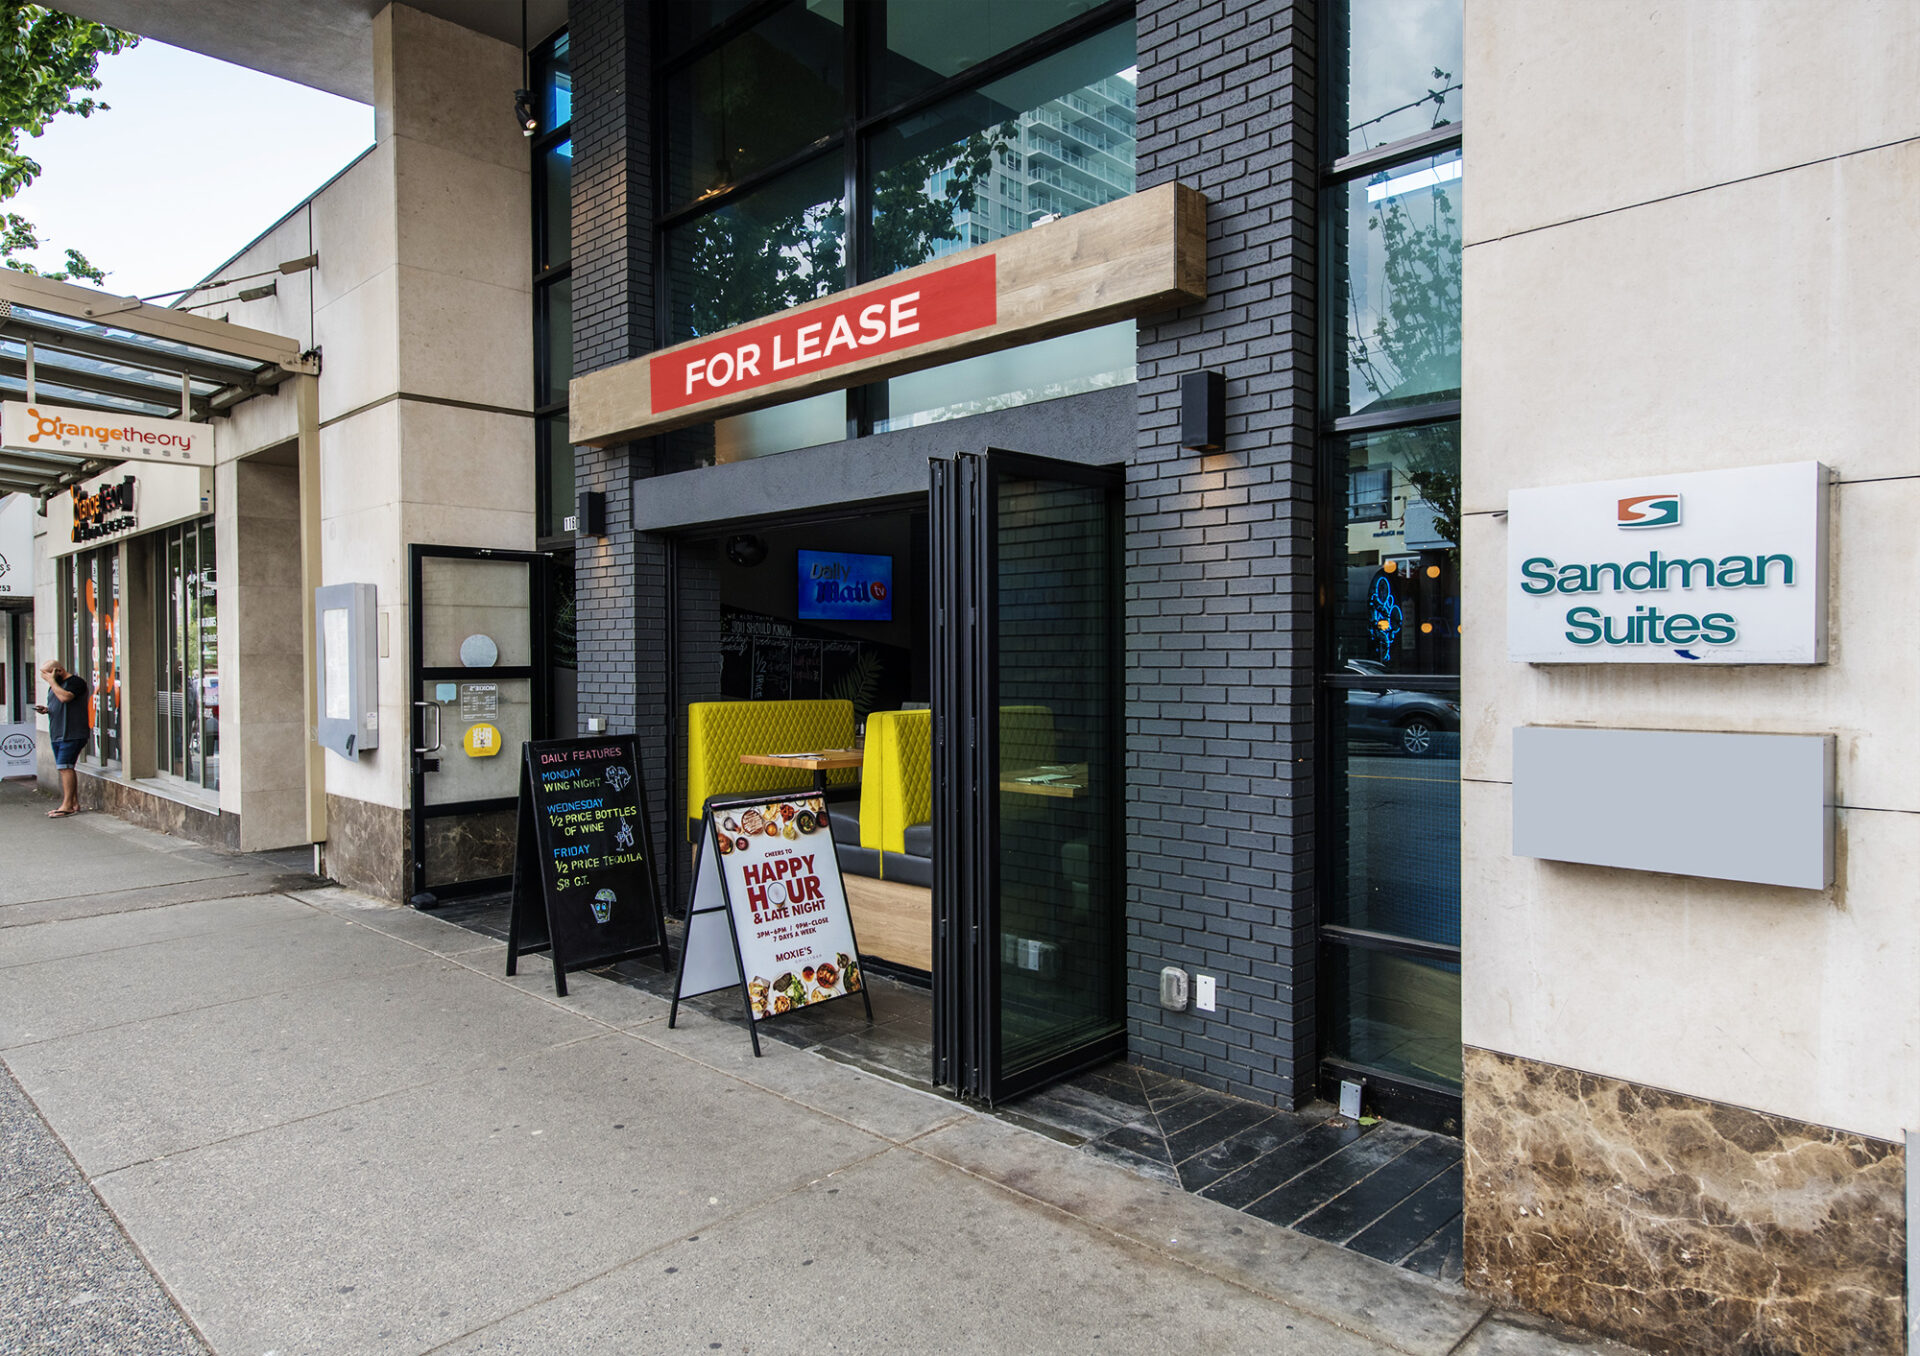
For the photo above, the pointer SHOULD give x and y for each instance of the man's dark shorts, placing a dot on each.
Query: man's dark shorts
(66, 752)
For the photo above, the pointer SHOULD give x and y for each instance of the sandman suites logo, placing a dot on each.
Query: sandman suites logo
(1650, 510)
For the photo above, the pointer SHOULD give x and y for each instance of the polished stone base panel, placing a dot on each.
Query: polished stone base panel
(1678, 1224)
(367, 848)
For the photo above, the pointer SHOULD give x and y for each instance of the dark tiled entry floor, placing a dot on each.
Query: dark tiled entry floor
(1385, 1190)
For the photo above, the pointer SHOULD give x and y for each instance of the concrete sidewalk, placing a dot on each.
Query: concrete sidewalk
(300, 1122)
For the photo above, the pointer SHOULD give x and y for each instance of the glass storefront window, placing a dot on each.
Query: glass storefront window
(90, 600)
(1389, 819)
(555, 303)
(758, 99)
(1397, 1013)
(776, 247)
(556, 462)
(1069, 365)
(186, 654)
(920, 50)
(1396, 608)
(553, 83)
(691, 19)
(555, 246)
(1403, 67)
(1396, 251)
(781, 428)
(946, 179)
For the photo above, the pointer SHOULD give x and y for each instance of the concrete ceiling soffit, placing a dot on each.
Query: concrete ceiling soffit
(326, 44)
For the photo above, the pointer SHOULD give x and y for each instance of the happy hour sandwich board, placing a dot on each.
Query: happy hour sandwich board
(769, 910)
(584, 886)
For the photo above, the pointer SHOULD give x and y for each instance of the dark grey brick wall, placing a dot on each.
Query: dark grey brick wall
(620, 579)
(1220, 556)
(1220, 562)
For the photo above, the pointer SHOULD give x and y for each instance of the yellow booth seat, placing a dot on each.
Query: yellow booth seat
(896, 785)
(719, 732)
(896, 788)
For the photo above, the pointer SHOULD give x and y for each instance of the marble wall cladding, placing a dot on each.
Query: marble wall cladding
(158, 813)
(1678, 1224)
(367, 848)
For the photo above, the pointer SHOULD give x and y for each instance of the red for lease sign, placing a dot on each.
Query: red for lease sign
(936, 305)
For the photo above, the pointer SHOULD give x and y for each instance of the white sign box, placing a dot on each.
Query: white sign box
(1699, 567)
(39, 427)
(1745, 807)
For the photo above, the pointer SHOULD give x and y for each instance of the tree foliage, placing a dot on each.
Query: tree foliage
(49, 65)
(747, 259)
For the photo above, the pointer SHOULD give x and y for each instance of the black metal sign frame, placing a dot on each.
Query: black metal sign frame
(549, 927)
(710, 831)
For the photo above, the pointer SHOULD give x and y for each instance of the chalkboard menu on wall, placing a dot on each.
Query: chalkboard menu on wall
(770, 659)
(584, 885)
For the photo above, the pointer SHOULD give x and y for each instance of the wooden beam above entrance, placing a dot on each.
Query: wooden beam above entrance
(1143, 254)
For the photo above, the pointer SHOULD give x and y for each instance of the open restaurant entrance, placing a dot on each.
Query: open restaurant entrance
(947, 670)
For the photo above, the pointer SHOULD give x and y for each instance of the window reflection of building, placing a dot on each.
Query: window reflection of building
(770, 126)
(1391, 621)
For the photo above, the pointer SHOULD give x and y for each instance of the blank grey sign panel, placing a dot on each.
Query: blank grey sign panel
(1747, 807)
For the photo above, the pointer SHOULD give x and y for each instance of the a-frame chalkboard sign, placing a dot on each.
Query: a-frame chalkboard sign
(584, 884)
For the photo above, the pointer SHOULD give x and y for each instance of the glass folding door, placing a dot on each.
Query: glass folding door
(1029, 893)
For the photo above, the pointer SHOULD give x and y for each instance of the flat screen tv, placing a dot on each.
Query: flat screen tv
(839, 586)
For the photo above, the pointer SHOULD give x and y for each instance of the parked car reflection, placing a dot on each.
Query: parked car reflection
(1418, 724)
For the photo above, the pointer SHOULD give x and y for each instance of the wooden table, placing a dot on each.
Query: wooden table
(1064, 781)
(819, 762)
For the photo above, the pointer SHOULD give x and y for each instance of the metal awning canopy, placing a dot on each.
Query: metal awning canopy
(76, 346)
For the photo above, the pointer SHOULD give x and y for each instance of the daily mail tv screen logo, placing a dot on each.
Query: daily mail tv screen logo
(1738, 577)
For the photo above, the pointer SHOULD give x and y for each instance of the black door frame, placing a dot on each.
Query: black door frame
(422, 760)
(963, 554)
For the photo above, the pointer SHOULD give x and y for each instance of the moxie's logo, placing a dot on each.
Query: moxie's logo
(1650, 510)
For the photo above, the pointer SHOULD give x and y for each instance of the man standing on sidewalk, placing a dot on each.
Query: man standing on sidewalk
(70, 726)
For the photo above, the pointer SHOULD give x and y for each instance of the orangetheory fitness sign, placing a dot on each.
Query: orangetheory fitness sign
(937, 305)
(39, 427)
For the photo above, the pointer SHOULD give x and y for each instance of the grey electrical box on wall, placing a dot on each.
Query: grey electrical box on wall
(347, 653)
(1173, 989)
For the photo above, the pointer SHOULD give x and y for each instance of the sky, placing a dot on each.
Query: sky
(193, 159)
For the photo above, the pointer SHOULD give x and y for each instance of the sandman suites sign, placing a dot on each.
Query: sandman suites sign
(809, 340)
(35, 426)
(1700, 567)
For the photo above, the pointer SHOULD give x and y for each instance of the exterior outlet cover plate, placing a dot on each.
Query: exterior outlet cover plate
(1203, 989)
(1173, 989)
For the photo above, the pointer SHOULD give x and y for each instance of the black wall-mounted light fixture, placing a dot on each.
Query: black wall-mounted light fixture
(746, 550)
(523, 113)
(1203, 411)
(590, 514)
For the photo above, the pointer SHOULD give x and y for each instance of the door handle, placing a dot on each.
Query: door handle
(434, 707)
